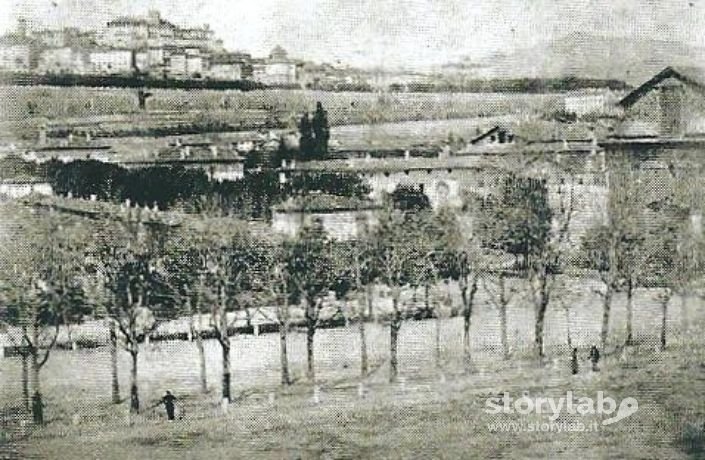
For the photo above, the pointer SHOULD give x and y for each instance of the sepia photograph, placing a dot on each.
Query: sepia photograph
(352, 229)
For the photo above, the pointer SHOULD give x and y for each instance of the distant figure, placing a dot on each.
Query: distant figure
(574, 362)
(168, 401)
(594, 358)
(142, 97)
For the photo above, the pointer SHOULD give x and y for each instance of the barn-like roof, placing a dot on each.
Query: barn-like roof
(693, 76)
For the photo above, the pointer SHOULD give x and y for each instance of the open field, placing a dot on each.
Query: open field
(25, 109)
(423, 416)
(343, 108)
(81, 378)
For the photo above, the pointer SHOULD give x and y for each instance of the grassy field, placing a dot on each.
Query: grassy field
(420, 418)
(425, 416)
(344, 107)
(104, 109)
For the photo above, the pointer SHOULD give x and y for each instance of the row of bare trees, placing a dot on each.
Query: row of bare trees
(137, 271)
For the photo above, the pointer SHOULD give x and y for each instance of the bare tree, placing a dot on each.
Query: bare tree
(310, 267)
(41, 291)
(127, 259)
(500, 295)
(397, 259)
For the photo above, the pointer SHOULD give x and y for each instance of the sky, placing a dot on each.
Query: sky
(409, 34)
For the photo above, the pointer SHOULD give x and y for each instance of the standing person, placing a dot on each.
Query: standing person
(574, 362)
(168, 400)
(594, 358)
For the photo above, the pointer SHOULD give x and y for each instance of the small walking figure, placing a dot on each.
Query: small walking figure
(574, 361)
(168, 400)
(38, 408)
(595, 358)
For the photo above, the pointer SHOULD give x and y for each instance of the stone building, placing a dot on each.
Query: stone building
(15, 55)
(660, 143)
(341, 218)
(574, 174)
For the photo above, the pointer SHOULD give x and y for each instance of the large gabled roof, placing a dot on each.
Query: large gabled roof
(693, 76)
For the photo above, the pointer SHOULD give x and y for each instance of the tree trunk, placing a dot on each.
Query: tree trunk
(542, 306)
(503, 317)
(394, 327)
(368, 297)
(283, 329)
(439, 354)
(630, 312)
(37, 400)
(34, 353)
(606, 308)
(684, 315)
(426, 297)
(468, 301)
(225, 347)
(196, 333)
(134, 393)
(310, 333)
(364, 367)
(224, 339)
(25, 369)
(569, 336)
(115, 384)
(538, 330)
(25, 380)
(201, 359)
(664, 314)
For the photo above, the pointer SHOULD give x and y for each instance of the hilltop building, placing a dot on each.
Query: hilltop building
(153, 31)
(64, 60)
(15, 53)
(110, 61)
(276, 70)
(227, 66)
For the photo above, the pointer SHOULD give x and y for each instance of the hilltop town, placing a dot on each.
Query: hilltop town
(153, 46)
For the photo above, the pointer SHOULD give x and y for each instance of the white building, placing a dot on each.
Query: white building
(590, 103)
(175, 64)
(14, 57)
(152, 31)
(63, 60)
(225, 71)
(278, 69)
(111, 61)
(227, 67)
(19, 188)
(194, 65)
